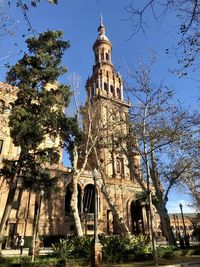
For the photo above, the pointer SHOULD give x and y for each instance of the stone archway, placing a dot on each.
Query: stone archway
(89, 199)
(137, 218)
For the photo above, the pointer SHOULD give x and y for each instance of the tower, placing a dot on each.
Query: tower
(105, 92)
(110, 111)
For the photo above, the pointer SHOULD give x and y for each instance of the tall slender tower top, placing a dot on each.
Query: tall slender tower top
(101, 20)
(105, 81)
(102, 33)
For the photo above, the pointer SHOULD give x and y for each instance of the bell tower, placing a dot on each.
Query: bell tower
(105, 93)
(105, 81)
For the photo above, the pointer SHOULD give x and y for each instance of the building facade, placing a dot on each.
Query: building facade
(110, 113)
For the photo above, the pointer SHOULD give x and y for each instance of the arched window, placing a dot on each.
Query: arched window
(119, 165)
(1, 146)
(112, 90)
(136, 218)
(89, 199)
(106, 87)
(68, 197)
(107, 56)
(96, 57)
(118, 93)
(2, 106)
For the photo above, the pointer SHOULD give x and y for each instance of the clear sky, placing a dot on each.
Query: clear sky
(79, 20)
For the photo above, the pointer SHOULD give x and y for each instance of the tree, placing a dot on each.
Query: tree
(105, 191)
(37, 114)
(186, 163)
(188, 14)
(85, 155)
(156, 123)
(80, 152)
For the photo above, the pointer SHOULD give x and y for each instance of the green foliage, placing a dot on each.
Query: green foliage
(114, 245)
(119, 246)
(73, 247)
(62, 249)
(38, 111)
(167, 252)
(140, 244)
(81, 246)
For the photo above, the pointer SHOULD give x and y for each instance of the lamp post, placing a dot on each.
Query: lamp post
(96, 260)
(185, 233)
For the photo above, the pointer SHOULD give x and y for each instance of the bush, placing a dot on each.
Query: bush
(140, 245)
(81, 246)
(73, 247)
(115, 247)
(125, 248)
(62, 249)
(167, 252)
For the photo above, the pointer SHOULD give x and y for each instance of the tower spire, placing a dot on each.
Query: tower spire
(101, 20)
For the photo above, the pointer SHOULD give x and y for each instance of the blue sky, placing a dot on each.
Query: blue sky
(79, 20)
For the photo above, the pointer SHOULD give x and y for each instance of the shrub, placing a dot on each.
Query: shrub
(62, 249)
(114, 245)
(167, 252)
(140, 245)
(119, 246)
(73, 247)
(81, 246)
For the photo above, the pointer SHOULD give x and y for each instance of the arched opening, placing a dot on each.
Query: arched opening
(106, 87)
(2, 106)
(107, 56)
(136, 218)
(118, 93)
(1, 146)
(119, 165)
(112, 90)
(68, 197)
(96, 57)
(89, 199)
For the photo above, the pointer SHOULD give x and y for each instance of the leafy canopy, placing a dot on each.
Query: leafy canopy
(38, 112)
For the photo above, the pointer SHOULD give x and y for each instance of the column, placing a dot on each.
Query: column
(102, 82)
(108, 86)
(122, 96)
(115, 89)
(90, 92)
(94, 89)
(99, 82)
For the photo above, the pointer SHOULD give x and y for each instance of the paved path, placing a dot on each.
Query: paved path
(193, 261)
(16, 252)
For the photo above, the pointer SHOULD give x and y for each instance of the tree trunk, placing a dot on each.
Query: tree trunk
(7, 210)
(35, 225)
(160, 204)
(74, 205)
(119, 218)
(165, 222)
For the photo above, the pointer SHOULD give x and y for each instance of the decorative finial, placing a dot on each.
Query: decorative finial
(101, 20)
